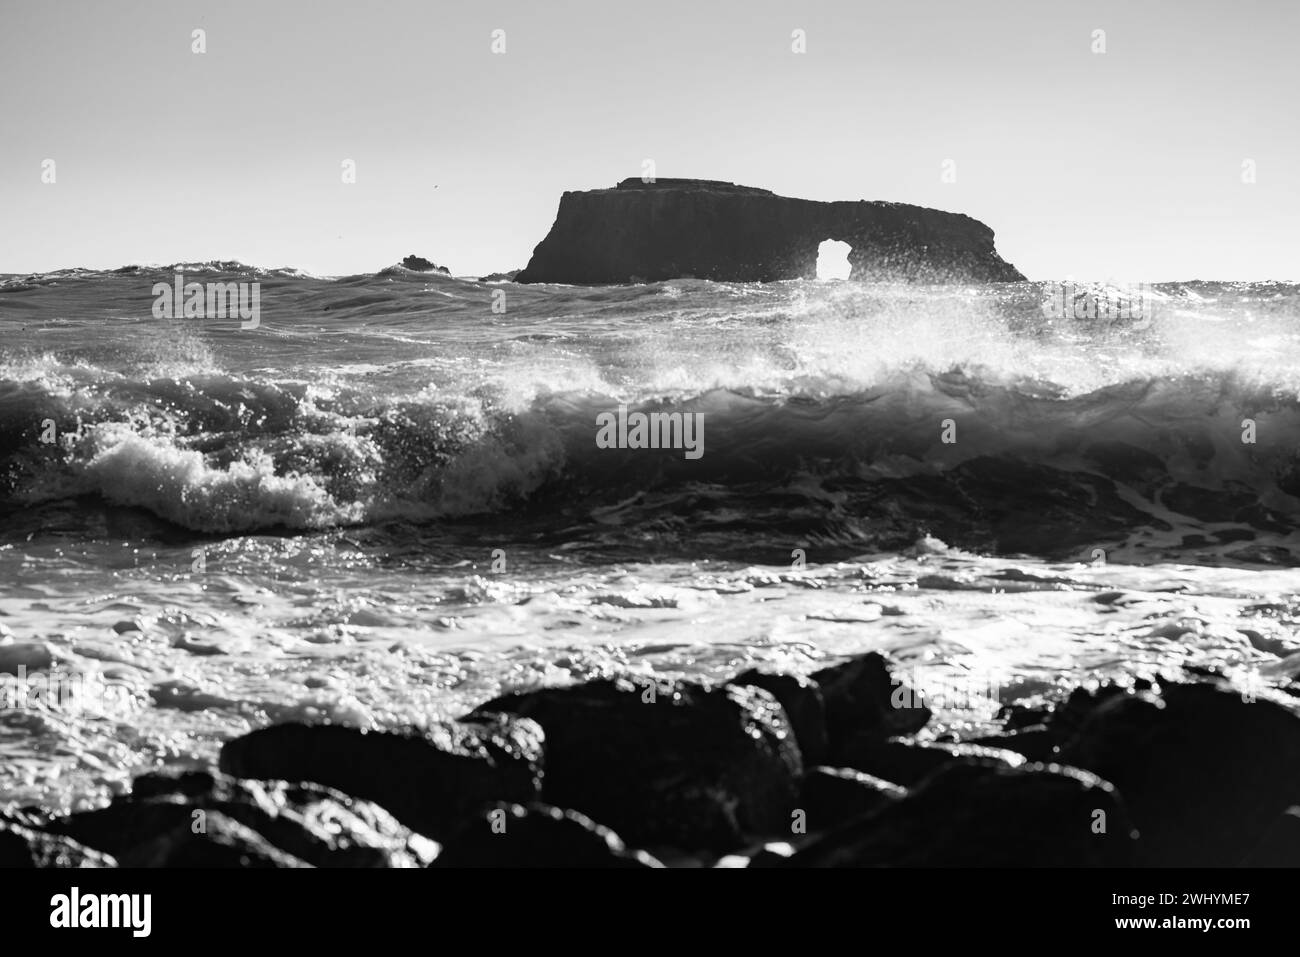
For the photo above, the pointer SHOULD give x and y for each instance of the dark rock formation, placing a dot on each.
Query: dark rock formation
(430, 781)
(909, 764)
(674, 228)
(866, 704)
(27, 847)
(834, 796)
(222, 843)
(1035, 743)
(321, 826)
(987, 815)
(510, 835)
(508, 276)
(420, 264)
(1280, 845)
(802, 700)
(677, 763)
(1203, 772)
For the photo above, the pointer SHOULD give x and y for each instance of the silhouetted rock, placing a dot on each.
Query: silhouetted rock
(834, 796)
(539, 835)
(771, 854)
(500, 276)
(322, 826)
(676, 763)
(672, 228)
(430, 781)
(223, 842)
(802, 700)
(987, 815)
(188, 783)
(1037, 743)
(28, 847)
(419, 264)
(1280, 844)
(1014, 717)
(861, 697)
(1068, 716)
(1203, 772)
(908, 764)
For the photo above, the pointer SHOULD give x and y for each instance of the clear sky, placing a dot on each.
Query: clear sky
(1118, 165)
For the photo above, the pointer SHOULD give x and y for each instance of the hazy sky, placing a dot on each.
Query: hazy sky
(1123, 165)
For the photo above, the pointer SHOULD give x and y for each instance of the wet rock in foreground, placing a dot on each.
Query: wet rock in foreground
(908, 764)
(1203, 772)
(1036, 743)
(223, 842)
(864, 701)
(322, 826)
(987, 815)
(27, 847)
(429, 780)
(804, 707)
(833, 796)
(510, 835)
(1280, 844)
(677, 764)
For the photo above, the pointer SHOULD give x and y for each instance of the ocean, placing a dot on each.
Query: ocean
(389, 499)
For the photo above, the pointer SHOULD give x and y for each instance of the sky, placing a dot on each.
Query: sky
(1128, 164)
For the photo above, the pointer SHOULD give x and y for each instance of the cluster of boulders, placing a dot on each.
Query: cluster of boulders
(767, 770)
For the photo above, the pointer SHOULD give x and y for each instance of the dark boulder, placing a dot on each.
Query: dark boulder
(677, 763)
(865, 703)
(1203, 772)
(802, 700)
(322, 826)
(908, 764)
(1036, 743)
(833, 796)
(1065, 720)
(188, 783)
(1015, 717)
(539, 835)
(987, 815)
(222, 842)
(25, 847)
(429, 780)
(674, 228)
(1280, 844)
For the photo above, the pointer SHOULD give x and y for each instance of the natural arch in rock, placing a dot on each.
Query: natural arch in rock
(833, 259)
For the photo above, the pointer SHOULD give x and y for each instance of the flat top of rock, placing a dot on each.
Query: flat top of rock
(635, 184)
(711, 185)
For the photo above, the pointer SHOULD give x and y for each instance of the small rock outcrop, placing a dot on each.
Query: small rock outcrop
(675, 764)
(420, 264)
(511, 835)
(315, 824)
(705, 229)
(430, 780)
(1205, 773)
(986, 814)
